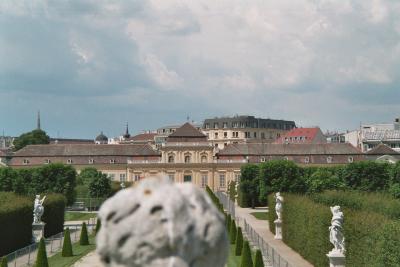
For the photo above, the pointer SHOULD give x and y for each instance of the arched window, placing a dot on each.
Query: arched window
(203, 159)
(171, 159)
(187, 159)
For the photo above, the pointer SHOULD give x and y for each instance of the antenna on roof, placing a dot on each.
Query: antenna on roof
(38, 120)
(187, 118)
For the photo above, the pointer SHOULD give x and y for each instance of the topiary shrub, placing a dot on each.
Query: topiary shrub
(228, 222)
(239, 242)
(4, 262)
(41, 258)
(271, 212)
(367, 175)
(67, 245)
(98, 226)
(54, 210)
(258, 260)
(246, 260)
(84, 238)
(232, 232)
(16, 222)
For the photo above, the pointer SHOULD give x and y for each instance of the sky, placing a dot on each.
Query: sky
(93, 65)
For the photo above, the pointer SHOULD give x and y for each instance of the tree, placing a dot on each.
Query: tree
(239, 242)
(41, 259)
(100, 186)
(232, 232)
(367, 176)
(232, 190)
(67, 245)
(84, 238)
(228, 222)
(396, 173)
(35, 137)
(248, 186)
(4, 262)
(7, 176)
(258, 260)
(98, 226)
(323, 179)
(87, 175)
(246, 260)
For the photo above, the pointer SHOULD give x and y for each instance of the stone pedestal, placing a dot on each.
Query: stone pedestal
(37, 231)
(336, 258)
(278, 229)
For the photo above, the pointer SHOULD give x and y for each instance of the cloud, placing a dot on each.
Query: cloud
(208, 57)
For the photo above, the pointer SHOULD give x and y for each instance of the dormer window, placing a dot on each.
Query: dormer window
(307, 160)
(26, 161)
(225, 125)
(203, 159)
(350, 159)
(262, 159)
(47, 161)
(69, 161)
(329, 159)
(187, 159)
(112, 161)
(91, 161)
(216, 125)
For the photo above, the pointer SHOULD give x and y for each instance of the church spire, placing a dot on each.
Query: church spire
(38, 120)
(127, 135)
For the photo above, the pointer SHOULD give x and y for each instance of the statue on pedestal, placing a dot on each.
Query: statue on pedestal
(278, 205)
(38, 209)
(336, 230)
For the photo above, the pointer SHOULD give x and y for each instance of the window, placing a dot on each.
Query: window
(26, 161)
(350, 159)
(235, 134)
(187, 159)
(69, 161)
(187, 178)
(91, 161)
(262, 135)
(242, 125)
(255, 135)
(225, 125)
(329, 159)
(137, 177)
(247, 135)
(225, 134)
(171, 176)
(262, 159)
(222, 180)
(122, 177)
(47, 161)
(203, 159)
(216, 135)
(112, 161)
(111, 176)
(286, 158)
(215, 125)
(225, 144)
(204, 180)
(216, 145)
(207, 126)
(171, 159)
(235, 124)
(306, 160)
(237, 177)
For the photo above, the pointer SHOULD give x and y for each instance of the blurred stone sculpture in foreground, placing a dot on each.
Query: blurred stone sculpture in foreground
(162, 224)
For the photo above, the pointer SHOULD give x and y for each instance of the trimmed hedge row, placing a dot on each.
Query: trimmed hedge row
(15, 221)
(371, 238)
(54, 209)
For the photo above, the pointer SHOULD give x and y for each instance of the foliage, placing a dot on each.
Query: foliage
(381, 203)
(16, 222)
(98, 226)
(271, 213)
(394, 190)
(371, 238)
(232, 190)
(67, 245)
(41, 258)
(4, 262)
(323, 179)
(396, 173)
(280, 176)
(214, 199)
(232, 232)
(78, 216)
(246, 260)
(116, 186)
(53, 216)
(367, 175)
(258, 260)
(35, 137)
(228, 222)
(249, 186)
(100, 186)
(87, 175)
(84, 238)
(239, 242)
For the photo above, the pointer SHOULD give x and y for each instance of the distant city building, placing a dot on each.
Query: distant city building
(303, 136)
(5, 156)
(383, 153)
(335, 137)
(143, 138)
(165, 131)
(6, 142)
(65, 141)
(242, 129)
(372, 135)
(101, 139)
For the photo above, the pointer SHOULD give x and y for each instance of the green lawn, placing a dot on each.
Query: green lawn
(78, 216)
(79, 251)
(260, 215)
(233, 261)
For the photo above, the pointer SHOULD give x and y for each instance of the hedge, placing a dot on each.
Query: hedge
(54, 209)
(372, 239)
(16, 222)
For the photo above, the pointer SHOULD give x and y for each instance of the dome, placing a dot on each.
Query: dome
(101, 138)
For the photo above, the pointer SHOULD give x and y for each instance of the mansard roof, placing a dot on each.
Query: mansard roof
(86, 150)
(187, 131)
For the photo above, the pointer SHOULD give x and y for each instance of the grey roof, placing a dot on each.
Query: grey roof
(249, 122)
(86, 150)
(101, 137)
(187, 130)
(382, 135)
(289, 149)
(382, 149)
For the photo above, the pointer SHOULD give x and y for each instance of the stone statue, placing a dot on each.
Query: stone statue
(159, 223)
(335, 230)
(278, 205)
(38, 209)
